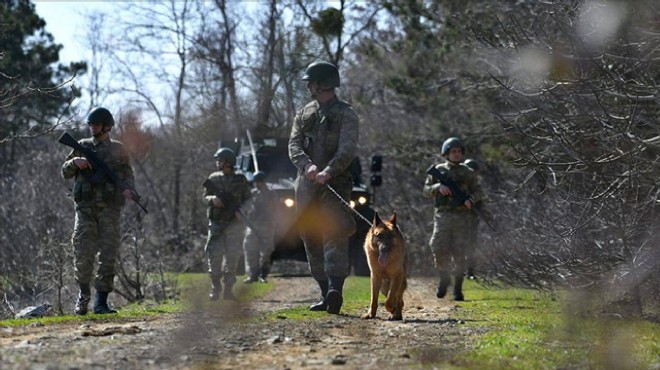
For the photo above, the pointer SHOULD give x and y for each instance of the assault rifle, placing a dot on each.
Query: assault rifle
(458, 195)
(102, 170)
(231, 204)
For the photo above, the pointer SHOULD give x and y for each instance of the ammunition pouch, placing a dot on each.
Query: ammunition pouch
(107, 193)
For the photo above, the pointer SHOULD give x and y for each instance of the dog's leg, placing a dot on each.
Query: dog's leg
(392, 296)
(398, 310)
(375, 290)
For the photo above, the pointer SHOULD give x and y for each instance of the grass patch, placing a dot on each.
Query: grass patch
(193, 288)
(356, 298)
(532, 330)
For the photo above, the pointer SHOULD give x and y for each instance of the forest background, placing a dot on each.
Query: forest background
(558, 101)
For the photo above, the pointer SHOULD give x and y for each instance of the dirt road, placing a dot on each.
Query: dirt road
(432, 331)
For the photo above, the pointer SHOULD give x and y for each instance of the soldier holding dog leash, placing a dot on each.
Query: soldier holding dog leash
(322, 145)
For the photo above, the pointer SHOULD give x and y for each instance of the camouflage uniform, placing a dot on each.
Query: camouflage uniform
(98, 206)
(226, 232)
(326, 136)
(259, 244)
(454, 227)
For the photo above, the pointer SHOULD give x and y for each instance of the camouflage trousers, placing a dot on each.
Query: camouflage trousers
(223, 249)
(454, 235)
(258, 245)
(325, 224)
(96, 231)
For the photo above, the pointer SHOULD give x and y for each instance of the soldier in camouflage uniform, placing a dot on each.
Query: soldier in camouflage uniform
(454, 226)
(226, 229)
(259, 244)
(322, 145)
(98, 204)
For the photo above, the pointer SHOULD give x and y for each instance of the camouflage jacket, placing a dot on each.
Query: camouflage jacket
(463, 176)
(91, 190)
(236, 191)
(326, 136)
(262, 206)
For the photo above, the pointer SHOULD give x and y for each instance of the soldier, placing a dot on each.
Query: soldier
(258, 244)
(98, 204)
(322, 145)
(224, 196)
(454, 224)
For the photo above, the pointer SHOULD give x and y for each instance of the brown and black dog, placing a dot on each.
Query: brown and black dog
(385, 249)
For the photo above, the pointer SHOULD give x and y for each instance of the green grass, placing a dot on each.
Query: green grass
(533, 330)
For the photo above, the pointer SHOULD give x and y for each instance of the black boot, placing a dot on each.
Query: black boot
(321, 305)
(334, 297)
(470, 273)
(458, 288)
(445, 279)
(251, 279)
(84, 297)
(101, 304)
(263, 276)
(215, 288)
(228, 281)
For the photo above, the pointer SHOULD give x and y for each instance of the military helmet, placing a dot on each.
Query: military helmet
(259, 176)
(102, 116)
(452, 142)
(474, 165)
(226, 155)
(325, 73)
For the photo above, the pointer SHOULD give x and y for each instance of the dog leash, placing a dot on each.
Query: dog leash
(345, 203)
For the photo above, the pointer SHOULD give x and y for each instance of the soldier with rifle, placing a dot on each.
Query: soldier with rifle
(103, 180)
(455, 189)
(224, 193)
(259, 243)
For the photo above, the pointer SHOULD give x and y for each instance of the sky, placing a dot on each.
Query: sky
(65, 21)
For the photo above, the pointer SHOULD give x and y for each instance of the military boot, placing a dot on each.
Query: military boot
(84, 297)
(458, 288)
(334, 297)
(215, 288)
(321, 305)
(101, 304)
(263, 275)
(445, 279)
(228, 281)
(252, 278)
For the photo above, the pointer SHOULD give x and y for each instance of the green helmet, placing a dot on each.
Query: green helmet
(259, 176)
(325, 73)
(226, 155)
(452, 142)
(474, 165)
(102, 116)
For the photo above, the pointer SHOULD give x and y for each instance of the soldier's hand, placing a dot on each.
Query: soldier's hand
(444, 190)
(217, 202)
(127, 194)
(468, 204)
(81, 163)
(322, 178)
(311, 171)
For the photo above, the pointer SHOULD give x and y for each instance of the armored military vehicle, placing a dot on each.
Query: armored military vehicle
(271, 155)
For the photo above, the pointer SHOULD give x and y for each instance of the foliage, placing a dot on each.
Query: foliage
(28, 78)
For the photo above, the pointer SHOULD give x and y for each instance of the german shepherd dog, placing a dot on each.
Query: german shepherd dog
(386, 253)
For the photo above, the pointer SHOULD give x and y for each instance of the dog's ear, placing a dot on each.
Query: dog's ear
(377, 220)
(393, 218)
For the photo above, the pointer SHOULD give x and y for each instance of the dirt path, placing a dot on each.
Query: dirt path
(223, 339)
